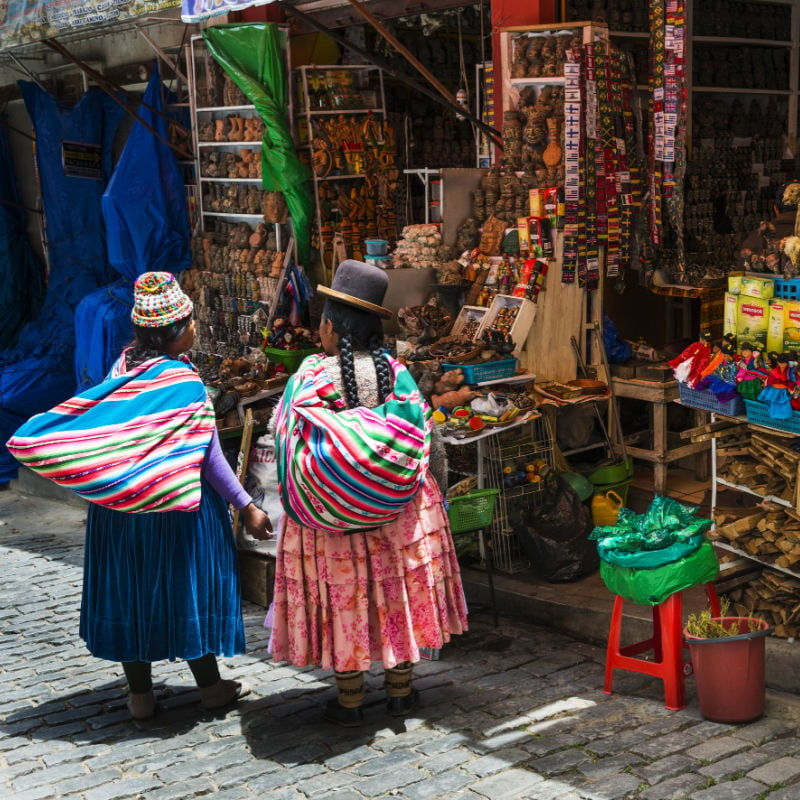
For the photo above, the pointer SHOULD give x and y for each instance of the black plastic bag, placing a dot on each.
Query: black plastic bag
(555, 534)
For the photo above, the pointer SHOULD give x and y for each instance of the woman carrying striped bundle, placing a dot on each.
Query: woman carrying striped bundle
(366, 569)
(160, 567)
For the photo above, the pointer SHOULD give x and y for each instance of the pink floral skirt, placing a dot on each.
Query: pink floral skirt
(344, 601)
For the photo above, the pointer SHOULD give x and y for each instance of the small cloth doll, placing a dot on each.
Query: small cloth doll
(688, 365)
(715, 360)
(752, 372)
(722, 381)
(779, 391)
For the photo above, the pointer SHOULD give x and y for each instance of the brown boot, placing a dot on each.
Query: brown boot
(401, 695)
(346, 709)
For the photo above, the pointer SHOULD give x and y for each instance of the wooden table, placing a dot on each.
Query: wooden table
(660, 395)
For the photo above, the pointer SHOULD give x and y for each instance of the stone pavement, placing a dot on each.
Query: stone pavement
(515, 711)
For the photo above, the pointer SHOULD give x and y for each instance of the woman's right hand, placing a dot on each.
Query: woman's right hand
(256, 522)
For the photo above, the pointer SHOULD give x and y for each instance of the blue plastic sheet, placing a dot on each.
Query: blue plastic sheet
(40, 370)
(618, 349)
(103, 327)
(144, 208)
(21, 271)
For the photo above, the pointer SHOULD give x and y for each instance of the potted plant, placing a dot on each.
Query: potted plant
(727, 655)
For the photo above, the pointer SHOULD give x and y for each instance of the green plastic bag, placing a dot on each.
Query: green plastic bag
(649, 587)
(650, 559)
(665, 523)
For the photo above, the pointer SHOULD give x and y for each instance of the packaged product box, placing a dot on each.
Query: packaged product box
(751, 320)
(777, 309)
(735, 283)
(729, 313)
(791, 325)
(757, 287)
(523, 231)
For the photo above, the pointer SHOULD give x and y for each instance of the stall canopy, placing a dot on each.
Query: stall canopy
(25, 21)
(21, 271)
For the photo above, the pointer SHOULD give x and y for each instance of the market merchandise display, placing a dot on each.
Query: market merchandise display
(352, 156)
(570, 133)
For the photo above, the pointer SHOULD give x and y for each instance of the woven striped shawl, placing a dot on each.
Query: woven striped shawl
(343, 469)
(134, 442)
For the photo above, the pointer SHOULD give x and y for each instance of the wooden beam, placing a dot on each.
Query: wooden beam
(111, 90)
(372, 58)
(393, 40)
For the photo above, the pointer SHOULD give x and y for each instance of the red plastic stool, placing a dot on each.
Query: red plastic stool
(666, 644)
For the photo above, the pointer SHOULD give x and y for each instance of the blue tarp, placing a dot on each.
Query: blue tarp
(39, 371)
(144, 205)
(147, 225)
(21, 271)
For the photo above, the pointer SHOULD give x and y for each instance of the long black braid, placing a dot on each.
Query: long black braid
(152, 342)
(359, 331)
(384, 372)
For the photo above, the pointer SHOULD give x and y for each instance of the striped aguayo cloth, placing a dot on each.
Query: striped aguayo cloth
(343, 469)
(134, 442)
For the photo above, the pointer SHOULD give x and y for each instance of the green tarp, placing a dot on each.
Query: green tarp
(253, 55)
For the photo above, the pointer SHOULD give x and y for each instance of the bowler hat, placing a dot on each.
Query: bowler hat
(360, 285)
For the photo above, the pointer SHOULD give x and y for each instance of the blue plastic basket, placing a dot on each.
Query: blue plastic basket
(758, 414)
(787, 288)
(708, 401)
(488, 371)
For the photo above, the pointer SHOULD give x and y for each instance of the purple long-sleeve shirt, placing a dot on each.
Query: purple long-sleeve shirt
(217, 471)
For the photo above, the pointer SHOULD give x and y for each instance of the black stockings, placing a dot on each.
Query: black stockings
(139, 676)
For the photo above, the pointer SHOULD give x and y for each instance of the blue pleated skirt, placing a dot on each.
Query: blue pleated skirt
(161, 586)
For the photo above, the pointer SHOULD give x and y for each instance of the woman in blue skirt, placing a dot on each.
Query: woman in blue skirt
(164, 584)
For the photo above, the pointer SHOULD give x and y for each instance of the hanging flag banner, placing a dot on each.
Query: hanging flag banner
(24, 21)
(198, 10)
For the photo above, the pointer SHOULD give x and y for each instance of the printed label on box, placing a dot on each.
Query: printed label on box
(758, 287)
(791, 324)
(730, 313)
(751, 320)
(775, 326)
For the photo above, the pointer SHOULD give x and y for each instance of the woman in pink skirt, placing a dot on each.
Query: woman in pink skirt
(366, 569)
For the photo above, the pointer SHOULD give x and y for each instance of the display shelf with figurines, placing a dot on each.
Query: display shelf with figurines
(228, 132)
(242, 244)
(342, 132)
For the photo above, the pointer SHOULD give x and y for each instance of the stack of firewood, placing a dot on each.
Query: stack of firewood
(771, 533)
(773, 597)
(775, 453)
(764, 462)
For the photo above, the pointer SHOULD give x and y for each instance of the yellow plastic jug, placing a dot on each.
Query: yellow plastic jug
(605, 508)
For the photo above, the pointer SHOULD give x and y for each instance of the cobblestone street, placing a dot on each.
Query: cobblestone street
(515, 711)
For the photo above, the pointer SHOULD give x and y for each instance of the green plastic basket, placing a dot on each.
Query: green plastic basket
(291, 359)
(470, 512)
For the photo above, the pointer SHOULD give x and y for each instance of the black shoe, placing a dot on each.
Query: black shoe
(400, 706)
(346, 717)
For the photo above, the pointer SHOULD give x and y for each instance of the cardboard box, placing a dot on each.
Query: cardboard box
(468, 321)
(791, 325)
(524, 309)
(775, 323)
(652, 371)
(257, 577)
(763, 288)
(735, 283)
(730, 313)
(751, 320)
